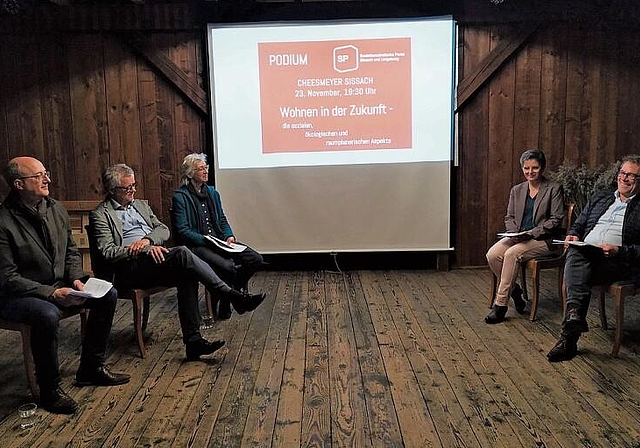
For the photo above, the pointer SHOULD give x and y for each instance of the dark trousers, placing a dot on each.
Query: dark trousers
(181, 268)
(44, 318)
(586, 267)
(235, 268)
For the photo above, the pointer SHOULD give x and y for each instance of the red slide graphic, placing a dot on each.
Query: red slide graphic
(335, 95)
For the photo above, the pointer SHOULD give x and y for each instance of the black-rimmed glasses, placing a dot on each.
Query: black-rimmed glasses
(128, 188)
(631, 176)
(38, 176)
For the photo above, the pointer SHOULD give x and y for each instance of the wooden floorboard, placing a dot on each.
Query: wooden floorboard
(360, 359)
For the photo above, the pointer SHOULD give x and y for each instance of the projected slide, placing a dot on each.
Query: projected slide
(332, 94)
(334, 136)
(335, 95)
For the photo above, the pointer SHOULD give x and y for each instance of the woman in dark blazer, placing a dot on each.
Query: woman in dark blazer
(535, 212)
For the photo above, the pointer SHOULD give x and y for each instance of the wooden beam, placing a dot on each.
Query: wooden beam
(470, 85)
(195, 94)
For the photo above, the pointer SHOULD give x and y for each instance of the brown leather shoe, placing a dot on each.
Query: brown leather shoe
(101, 376)
(57, 401)
(564, 350)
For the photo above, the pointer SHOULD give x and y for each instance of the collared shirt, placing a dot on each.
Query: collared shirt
(608, 229)
(134, 227)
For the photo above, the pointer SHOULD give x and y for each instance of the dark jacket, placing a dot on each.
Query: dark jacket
(595, 208)
(185, 217)
(27, 267)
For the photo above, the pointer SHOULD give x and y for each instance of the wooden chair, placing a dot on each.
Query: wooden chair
(139, 297)
(620, 291)
(535, 265)
(25, 333)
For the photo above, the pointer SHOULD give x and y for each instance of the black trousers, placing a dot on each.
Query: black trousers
(181, 268)
(44, 318)
(586, 267)
(235, 268)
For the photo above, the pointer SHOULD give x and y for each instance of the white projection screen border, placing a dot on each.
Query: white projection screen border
(334, 136)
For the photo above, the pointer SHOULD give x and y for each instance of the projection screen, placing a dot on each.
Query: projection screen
(334, 136)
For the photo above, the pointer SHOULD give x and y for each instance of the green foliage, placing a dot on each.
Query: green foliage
(580, 182)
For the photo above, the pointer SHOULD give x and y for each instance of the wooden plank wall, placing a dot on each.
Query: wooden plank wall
(570, 91)
(81, 99)
(81, 102)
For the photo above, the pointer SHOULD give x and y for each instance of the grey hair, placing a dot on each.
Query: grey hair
(534, 154)
(12, 172)
(189, 164)
(631, 158)
(112, 175)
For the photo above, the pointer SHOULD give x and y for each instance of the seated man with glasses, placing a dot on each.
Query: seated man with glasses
(130, 250)
(197, 212)
(610, 226)
(40, 267)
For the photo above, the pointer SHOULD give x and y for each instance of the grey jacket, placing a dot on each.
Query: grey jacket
(106, 234)
(548, 209)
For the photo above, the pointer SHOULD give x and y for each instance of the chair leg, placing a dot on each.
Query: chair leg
(29, 364)
(600, 295)
(535, 277)
(523, 277)
(618, 301)
(137, 323)
(208, 298)
(145, 312)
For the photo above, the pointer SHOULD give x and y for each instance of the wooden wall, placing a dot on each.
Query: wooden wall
(83, 98)
(83, 101)
(570, 91)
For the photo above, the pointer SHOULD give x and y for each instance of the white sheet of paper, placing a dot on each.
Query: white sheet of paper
(94, 287)
(233, 247)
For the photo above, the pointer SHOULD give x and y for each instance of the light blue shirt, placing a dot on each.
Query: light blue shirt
(608, 229)
(134, 227)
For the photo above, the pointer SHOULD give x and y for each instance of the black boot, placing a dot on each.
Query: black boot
(518, 301)
(565, 349)
(496, 315)
(244, 303)
(55, 400)
(201, 347)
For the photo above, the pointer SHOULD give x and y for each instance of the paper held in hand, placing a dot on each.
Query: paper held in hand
(573, 243)
(513, 234)
(94, 288)
(229, 247)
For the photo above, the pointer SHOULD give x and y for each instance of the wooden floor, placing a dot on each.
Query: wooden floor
(361, 358)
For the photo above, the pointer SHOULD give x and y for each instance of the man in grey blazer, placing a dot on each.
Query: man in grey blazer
(40, 266)
(129, 249)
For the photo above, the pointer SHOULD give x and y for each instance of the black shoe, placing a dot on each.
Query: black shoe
(223, 310)
(565, 349)
(247, 302)
(57, 401)
(201, 347)
(518, 301)
(496, 315)
(574, 322)
(100, 376)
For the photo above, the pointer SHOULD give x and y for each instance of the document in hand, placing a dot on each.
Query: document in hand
(573, 243)
(233, 247)
(512, 234)
(94, 287)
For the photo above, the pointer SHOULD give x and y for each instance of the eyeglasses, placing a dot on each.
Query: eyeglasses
(202, 168)
(38, 176)
(631, 176)
(128, 188)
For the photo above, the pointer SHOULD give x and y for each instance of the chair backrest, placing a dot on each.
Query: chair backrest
(568, 216)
